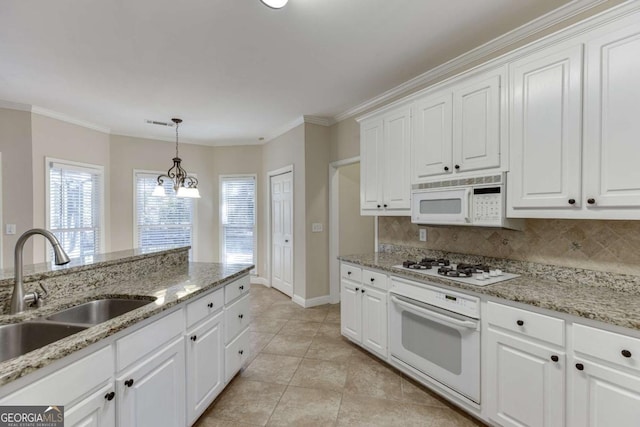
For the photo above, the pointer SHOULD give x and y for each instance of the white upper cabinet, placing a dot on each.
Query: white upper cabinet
(612, 122)
(385, 185)
(545, 131)
(476, 123)
(432, 140)
(458, 130)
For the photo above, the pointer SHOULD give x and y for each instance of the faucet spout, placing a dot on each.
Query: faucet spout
(18, 298)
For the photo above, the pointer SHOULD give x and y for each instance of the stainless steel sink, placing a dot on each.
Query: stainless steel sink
(21, 338)
(98, 311)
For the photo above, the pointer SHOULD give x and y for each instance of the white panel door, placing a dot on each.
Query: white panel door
(96, 410)
(282, 233)
(351, 310)
(153, 392)
(205, 365)
(612, 122)
(374, 320)
(476, 124)
(545, 131)
(604, 397)
(431, 148)
(371, 154)
(396, 187)
(526, 385)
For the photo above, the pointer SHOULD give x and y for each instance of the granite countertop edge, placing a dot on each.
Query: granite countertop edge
(169, 290)
(599, 303)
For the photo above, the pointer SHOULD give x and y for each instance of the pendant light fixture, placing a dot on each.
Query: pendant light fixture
(275, 4)
(183, 184)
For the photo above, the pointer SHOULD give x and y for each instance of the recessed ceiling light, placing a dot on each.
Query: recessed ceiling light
(275, 4)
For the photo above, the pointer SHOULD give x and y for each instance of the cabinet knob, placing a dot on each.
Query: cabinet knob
(373, 279)
(241, 287)
(210, 305)
(457, 167)
(357, 289)
(129, 382)
(572, 201)
(626, 353)
(446, 168)
(241, 315)
(363, 291)
(110, 396)
(385, 205)
(378, 206)
(520, 322)
(286, 240)
(348, 273)
(194, 338)
(579, 366)
(240, 352)
(554, 358)
(591, 201)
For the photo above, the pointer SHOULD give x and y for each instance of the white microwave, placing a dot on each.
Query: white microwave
(471, 201)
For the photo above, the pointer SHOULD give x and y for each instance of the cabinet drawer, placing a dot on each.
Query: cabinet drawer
(609, 346)
(375, 279)
(204, 306)
(534, 325)
(67, 384)
(143, 341)
(236, 288)
(351, 273)
(235, 355)
(236, 318)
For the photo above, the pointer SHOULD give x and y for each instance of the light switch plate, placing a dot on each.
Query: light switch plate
(10, 229)
(423, 234)
(316, 227)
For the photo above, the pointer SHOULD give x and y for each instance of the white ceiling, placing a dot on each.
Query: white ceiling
(234, 70)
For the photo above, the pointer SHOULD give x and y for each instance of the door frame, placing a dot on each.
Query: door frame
(271, 174)
(334, 226)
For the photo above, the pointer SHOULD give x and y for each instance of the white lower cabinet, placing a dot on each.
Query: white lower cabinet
(205, 365)
(152, 393)
(97, 410)
(374, 320)
(351, 310)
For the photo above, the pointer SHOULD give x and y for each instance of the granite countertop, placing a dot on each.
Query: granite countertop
(606, 304)
(168, 287)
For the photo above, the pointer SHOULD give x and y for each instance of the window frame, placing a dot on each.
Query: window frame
(221, 245)
(194, 214)
(88, 167)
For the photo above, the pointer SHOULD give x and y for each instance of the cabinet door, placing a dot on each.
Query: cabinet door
(371, 152)
(351, 310)
(152, 393)
(526, 387)
(431, 143)
(94, 411)
(604, 397)
(396, 187)
(374, 320)
(611, 117)
(545, 131)
(205, 365)
(476, 124)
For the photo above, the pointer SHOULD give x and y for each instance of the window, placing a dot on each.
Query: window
(238, 218)
(75, 207)
(161, 222)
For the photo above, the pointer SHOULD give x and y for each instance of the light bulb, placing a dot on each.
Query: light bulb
(158, 191)
(275, 4)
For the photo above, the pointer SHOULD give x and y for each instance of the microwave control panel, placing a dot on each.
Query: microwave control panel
(487, 206)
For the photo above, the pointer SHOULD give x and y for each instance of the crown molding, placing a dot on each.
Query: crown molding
(68, 119)
(14, 105)
(541, 23)
(316, 120)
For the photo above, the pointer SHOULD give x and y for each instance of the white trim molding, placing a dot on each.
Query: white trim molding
(554, 17)
(311, 302)
(257, 280)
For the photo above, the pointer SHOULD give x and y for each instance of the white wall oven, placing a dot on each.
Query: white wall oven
(436, 332)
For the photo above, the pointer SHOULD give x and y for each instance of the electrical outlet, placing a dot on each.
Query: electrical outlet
(423, 234)
(10, 229)
(316, 227)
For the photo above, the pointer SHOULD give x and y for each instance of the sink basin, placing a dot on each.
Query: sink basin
(98, 311)
(21, 338)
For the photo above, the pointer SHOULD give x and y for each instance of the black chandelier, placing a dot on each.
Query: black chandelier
(183, 184)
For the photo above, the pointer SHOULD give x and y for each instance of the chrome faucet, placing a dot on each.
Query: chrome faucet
(19, 298)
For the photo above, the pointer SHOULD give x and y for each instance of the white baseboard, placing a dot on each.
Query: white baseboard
(311, 302)
(255, 280)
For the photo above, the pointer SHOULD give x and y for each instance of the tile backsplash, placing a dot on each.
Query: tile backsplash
(612, 246)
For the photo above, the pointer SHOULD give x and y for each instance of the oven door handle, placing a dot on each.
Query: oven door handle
(441, 317)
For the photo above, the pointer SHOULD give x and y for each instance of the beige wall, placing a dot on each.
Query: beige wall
(17, 181)
(61, 140)
(356, 232)
(285, 150)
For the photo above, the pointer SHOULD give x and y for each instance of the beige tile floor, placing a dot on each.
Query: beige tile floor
(301, 372)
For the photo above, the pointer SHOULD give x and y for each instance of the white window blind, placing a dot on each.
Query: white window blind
(162, 222)
(238, 218)
(75, 197)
